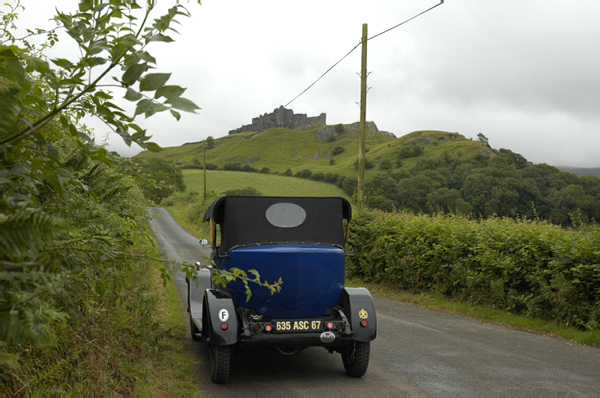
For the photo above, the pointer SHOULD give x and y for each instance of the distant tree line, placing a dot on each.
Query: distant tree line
(502, 185)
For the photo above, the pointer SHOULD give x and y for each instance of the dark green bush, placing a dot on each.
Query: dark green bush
(232, 166)
(318, 176)
(246, 191)
(306, 173)
(410, 151)
(248, 169)
(526, 267)
(331, 178)
(337, 150)
(209, 166)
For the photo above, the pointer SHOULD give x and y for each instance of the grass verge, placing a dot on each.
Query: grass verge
(455, 307)
(172, 371)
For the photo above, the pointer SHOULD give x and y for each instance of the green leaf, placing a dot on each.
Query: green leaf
(84, 136)
(183, 104)
(154, 81)
(169, 92)
(93, 61)
(125, 135)
(12, 67)
(145, 56)
(141, 106)
(36, 63)
(153, 108)
(132, 95)
(52, 151)
(133, 73)
(159, 37)
(176, 114)
(51, 178)
(153, 147)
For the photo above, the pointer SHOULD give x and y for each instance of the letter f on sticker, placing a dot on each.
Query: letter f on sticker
(223, 315)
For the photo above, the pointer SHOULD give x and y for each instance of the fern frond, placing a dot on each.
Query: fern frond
(23, 228)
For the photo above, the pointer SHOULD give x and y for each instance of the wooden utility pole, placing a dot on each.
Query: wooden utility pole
(204, 167)
(363, 123)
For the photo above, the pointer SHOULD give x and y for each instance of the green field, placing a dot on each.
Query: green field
(267, 184)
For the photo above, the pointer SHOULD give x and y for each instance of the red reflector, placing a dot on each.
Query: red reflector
(364, 324)
(329, 325)
(268, 328)
(224, 326)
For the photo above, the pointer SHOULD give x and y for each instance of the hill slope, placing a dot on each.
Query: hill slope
(281, 149)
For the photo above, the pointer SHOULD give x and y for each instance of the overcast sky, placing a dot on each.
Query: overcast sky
(525, 73)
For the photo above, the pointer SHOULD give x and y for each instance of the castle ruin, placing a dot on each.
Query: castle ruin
(281, 117)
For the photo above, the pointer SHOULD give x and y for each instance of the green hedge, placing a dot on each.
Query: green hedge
(526, 267)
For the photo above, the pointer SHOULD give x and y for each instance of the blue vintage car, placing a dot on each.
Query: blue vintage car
(301, 240)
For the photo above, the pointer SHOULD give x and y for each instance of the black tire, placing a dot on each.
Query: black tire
(220, 362)
(194, 330)
(356, 358)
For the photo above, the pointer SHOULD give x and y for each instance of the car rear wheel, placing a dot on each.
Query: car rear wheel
(194, 330)
(356, 358)
(220, 361)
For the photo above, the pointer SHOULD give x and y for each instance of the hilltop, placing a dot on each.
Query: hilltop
(326, 149)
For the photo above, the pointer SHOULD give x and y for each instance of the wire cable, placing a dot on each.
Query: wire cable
(355, 47)
(408, 20)
(326, 72)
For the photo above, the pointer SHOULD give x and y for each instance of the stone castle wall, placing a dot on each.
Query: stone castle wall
(281, 117)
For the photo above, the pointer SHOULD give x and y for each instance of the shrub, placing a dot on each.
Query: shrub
(318, 176)
(331, 178)
(381, 203)
(349, 185)
(246, 191)
(410, 151)
(209, 166)
(232, 166)
(385, 164)
(265, 170)
(248, 169)
(337, 150)
(306, 173)
(526, 267)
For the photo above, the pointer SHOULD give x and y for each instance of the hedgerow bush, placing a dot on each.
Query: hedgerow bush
(524, 266)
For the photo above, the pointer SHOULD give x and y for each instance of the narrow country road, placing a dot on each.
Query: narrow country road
(417, 351)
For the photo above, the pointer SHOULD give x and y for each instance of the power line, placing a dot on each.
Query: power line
(408, 20)
(327, 71)
(355, 47)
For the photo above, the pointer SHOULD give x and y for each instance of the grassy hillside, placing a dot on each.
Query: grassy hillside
(267, 184)
(281, 149)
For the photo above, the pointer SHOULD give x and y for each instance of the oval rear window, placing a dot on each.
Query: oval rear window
(286, 215)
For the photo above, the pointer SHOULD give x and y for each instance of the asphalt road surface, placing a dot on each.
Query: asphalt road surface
(417, 351)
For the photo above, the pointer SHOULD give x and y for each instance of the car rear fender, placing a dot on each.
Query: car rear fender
(196, 295)
(358, 306)
(220, 310)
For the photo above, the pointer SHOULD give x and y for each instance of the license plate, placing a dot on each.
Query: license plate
(301, 325)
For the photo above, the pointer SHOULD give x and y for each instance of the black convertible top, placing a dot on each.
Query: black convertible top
(259, 220)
